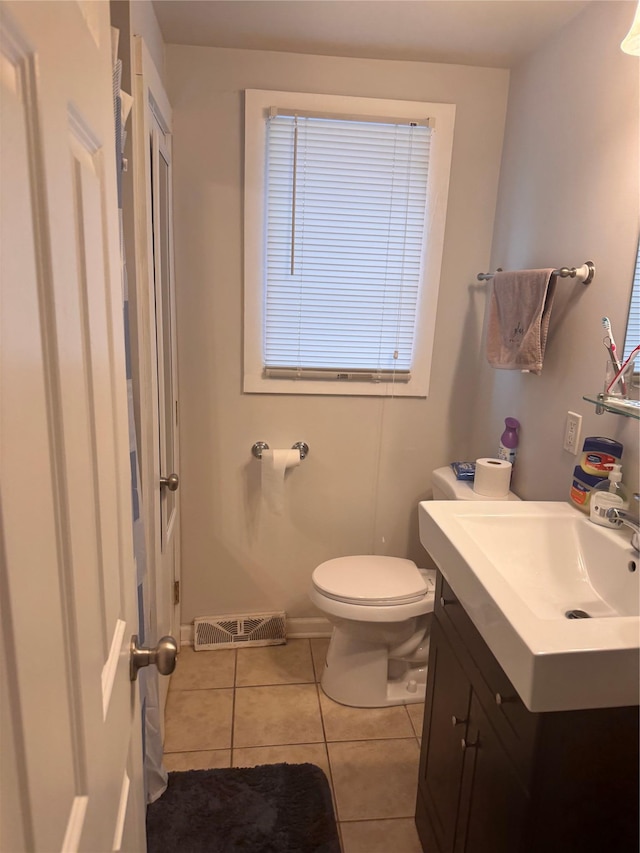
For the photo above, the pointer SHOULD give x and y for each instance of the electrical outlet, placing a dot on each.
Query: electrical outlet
(572, 432)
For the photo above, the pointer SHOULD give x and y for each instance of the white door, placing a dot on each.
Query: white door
(156, 314)
(71, 763)
(167, 444)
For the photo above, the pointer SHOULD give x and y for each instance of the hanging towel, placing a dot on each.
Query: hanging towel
(520, 308)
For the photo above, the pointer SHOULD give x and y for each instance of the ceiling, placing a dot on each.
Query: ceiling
(492, 33)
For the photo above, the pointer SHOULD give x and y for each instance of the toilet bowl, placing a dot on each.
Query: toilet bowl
(381, 609)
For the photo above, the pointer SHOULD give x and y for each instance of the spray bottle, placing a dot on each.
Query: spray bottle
(508, 446)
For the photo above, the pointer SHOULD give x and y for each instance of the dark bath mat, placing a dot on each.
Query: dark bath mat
(274, 808)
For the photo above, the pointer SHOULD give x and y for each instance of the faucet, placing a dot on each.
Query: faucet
(623, 516)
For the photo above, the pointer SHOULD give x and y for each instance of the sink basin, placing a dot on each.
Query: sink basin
(521, 570)
(557, 562)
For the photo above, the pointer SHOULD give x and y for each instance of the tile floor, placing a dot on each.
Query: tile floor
(239, 708)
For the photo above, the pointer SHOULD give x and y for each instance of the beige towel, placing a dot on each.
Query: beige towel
(521, 303)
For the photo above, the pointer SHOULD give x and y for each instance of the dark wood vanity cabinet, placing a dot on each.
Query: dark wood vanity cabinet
(496, 778)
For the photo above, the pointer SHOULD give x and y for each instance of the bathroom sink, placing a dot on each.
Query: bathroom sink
(555, 596)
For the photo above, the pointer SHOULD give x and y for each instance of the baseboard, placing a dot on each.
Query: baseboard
(298, 628)
(186, 634)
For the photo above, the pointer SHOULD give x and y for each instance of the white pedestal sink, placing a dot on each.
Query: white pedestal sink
(518, 569)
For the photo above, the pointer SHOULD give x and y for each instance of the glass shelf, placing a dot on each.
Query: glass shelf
(628, 408)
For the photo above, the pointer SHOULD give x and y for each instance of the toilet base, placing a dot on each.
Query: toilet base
(356, 674)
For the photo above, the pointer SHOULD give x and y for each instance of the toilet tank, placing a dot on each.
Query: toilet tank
(447, 488)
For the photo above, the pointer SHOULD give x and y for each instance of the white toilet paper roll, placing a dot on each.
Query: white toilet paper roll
(275, 464)
(493, 477)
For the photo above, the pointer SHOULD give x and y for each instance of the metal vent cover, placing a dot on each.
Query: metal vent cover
(249, 629)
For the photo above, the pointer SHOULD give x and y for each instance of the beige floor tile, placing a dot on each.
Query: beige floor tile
(380, 836)
(282, 714)
(198, 719)
(374, 779)
(210, 759)
(203, 670)
(319, 646)
(416, 713)
(344, 723)
(301, 753)
(286, 664)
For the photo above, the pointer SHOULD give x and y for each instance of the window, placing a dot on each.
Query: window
(632, 338)
(344, 222)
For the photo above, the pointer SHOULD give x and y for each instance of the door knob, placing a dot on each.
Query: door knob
(171, 482)
(164, 656)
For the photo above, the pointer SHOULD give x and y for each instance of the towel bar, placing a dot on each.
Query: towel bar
(585, 273)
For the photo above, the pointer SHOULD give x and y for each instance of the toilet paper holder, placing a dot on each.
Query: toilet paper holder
(301, 446)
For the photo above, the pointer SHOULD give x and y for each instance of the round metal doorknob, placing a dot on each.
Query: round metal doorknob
(171, 482)
(163, 656)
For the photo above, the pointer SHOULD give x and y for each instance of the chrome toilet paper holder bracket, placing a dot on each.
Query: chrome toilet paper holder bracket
(301, 446)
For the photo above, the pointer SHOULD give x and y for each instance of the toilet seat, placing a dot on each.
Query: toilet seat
(370, 580)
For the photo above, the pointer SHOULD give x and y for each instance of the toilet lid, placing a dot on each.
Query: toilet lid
(370, 580)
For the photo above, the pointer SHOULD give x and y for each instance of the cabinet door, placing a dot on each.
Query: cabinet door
(441, 761)
(493, 803)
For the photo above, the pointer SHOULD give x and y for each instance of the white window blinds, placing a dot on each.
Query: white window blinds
(632, 338)
(345, 221)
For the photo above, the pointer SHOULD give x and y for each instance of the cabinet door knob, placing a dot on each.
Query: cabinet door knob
(457, 721)
(464, 744)
(444, 602)
(502, 700)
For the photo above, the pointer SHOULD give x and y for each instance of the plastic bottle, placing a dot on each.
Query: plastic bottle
(582, 486)
(508, 446)
(599, 454)
(609, 493)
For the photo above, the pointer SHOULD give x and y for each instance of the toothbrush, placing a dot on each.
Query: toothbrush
(610, 344)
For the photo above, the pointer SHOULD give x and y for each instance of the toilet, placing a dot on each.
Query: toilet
(381, 609)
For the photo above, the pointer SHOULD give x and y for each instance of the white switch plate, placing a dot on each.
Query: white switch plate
(572, 432)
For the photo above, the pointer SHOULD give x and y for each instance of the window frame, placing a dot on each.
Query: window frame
(258, 103)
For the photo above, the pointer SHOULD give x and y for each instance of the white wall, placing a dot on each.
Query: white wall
(568, 193)
(144, 23)
(370, 460)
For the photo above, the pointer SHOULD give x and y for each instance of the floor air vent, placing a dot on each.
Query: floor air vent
(252, 629)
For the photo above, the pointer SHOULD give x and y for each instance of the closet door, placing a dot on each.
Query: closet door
(156, 376)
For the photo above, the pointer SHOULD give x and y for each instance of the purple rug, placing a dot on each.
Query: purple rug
(274, 808)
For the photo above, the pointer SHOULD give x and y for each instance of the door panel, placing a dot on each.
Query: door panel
(494, 804)
(67, 580)
(442, 758)
(156, 367)
(163, 287)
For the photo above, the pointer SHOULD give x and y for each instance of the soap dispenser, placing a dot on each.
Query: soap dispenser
(607, 494)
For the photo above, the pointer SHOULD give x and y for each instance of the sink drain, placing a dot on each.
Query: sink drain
(577, 614)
